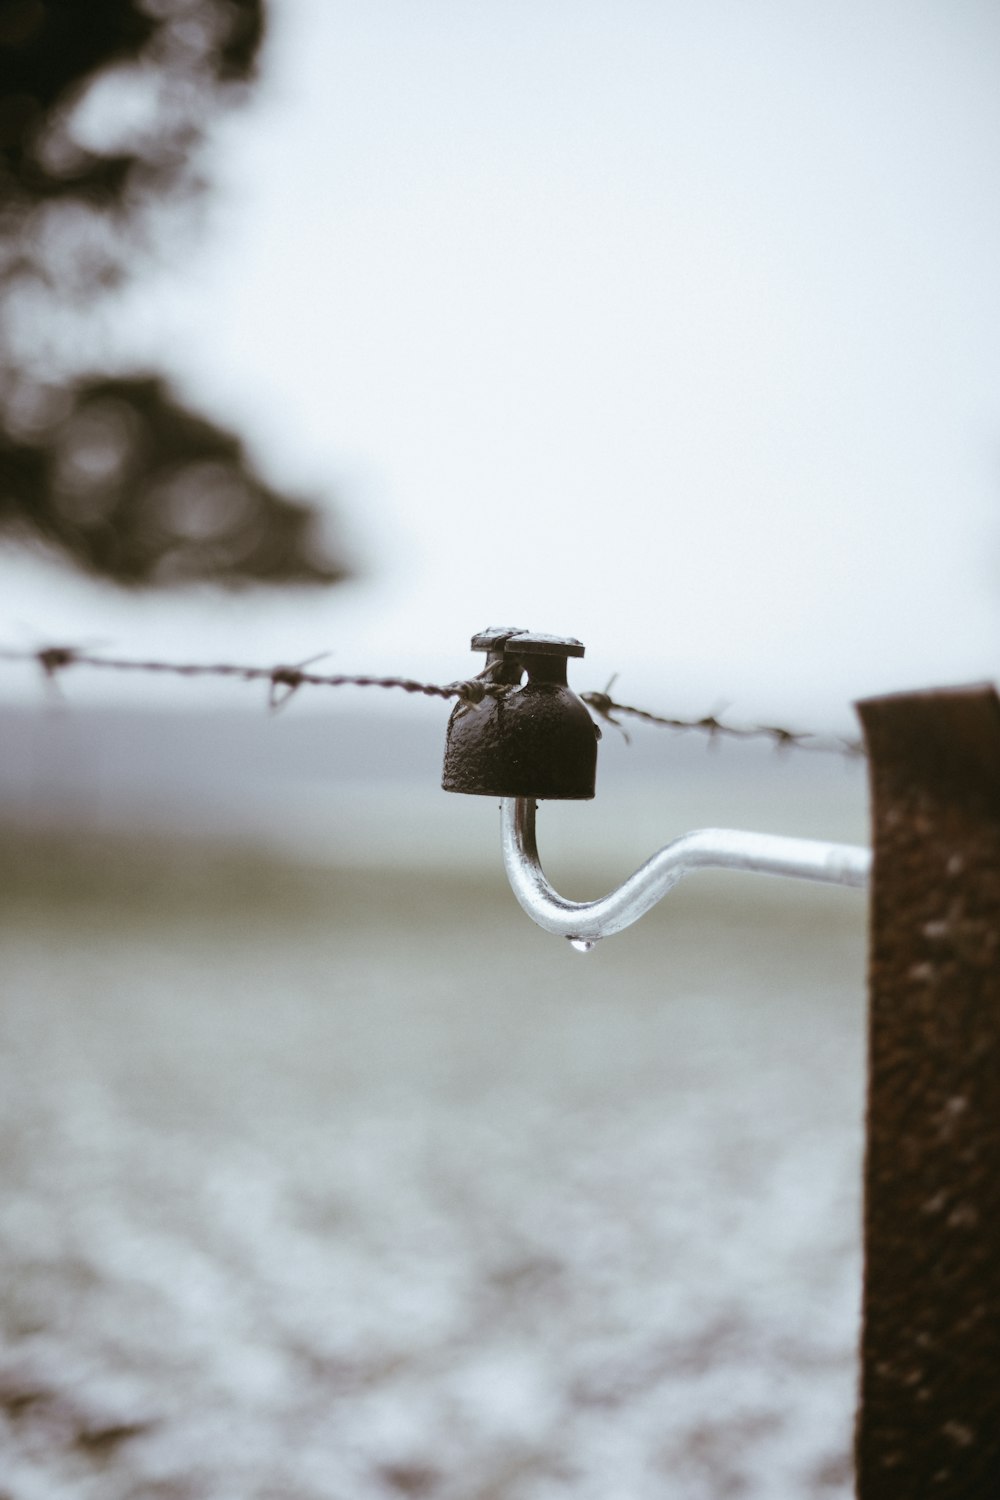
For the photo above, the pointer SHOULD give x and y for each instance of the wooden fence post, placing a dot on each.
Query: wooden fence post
(929, 1416)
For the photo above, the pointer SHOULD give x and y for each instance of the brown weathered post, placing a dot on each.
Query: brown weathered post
(929, 1417)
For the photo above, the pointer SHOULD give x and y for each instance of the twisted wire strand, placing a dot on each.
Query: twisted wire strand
(715, 727)
(284, 680)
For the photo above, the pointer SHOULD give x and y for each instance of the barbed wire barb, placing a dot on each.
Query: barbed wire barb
(602, 705)
(284, 681)
(289, 678)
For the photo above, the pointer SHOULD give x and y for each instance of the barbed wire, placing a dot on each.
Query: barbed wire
(715, 727)
(284, 680)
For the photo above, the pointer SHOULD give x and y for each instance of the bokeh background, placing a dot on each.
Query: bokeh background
(351, 330)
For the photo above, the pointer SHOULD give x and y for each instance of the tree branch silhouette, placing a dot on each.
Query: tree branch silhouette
(104, 107)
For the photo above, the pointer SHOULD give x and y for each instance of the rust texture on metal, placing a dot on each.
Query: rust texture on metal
(531, 740)
(929, 1416)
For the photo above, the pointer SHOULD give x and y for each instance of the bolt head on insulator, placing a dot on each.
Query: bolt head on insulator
(526, 738)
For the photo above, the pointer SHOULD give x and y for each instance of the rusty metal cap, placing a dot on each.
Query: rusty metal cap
(528, 643)
(494, 636)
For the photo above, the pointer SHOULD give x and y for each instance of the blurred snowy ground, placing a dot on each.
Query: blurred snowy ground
(327, 1176)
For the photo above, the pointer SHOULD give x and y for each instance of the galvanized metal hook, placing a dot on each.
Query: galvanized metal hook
(586, 922)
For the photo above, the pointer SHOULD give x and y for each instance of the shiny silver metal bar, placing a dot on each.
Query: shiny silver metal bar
(585, 922)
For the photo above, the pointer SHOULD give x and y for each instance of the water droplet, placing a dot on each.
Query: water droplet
(583, 945)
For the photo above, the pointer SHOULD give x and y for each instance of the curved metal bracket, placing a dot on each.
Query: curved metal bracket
(586, 922)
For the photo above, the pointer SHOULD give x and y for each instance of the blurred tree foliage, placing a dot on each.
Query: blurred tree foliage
(103, 106)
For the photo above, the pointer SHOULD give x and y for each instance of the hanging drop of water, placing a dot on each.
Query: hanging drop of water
(583, 945)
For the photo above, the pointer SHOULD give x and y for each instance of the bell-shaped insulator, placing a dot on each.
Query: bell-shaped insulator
(532, 738)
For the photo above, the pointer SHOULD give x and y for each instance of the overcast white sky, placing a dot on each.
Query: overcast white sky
(674, 327)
